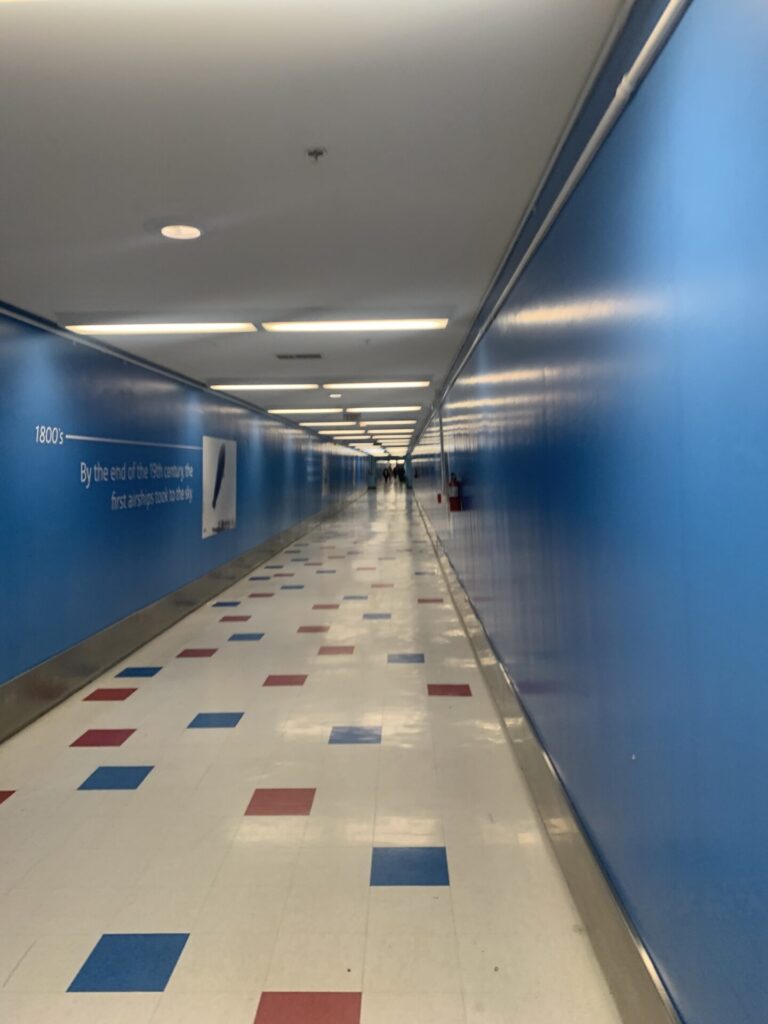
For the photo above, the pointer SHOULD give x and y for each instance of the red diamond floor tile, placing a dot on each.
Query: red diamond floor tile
(111, 693)
(103, 738)
(309, 1008)
(448, 690)
(281, 802)
(285, 680)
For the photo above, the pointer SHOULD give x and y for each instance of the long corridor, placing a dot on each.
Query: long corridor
(297, 806)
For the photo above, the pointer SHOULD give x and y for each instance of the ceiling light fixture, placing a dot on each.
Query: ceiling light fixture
(284, 326)
(345, 433)
(335, 396)
(383, 423)
(386, 408)
(328, 423)
(302, 412)
(380, 384)
(180, 232)
(264, 387)
(166, 328)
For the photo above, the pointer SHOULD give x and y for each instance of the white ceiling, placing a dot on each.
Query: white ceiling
(438, 116)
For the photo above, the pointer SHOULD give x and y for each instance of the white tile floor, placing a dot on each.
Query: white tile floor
(285, 903)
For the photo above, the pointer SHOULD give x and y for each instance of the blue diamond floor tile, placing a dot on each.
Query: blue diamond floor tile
(292, 586)
(216, 720)
(246, 636)
(356, 597)
(130, 963)
(326, 572)
(273, 567)
(405, 659)
(138, 672)
(259, 577)
(409, 865)
(355, 734)
(226, 604)
(117, 777)
(377, 615)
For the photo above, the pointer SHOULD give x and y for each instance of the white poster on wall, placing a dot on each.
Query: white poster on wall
(219, 485)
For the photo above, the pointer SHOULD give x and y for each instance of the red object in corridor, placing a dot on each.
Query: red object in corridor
(454, 494)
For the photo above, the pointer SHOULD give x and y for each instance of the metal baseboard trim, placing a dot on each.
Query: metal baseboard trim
(30, 694)
(632, 978)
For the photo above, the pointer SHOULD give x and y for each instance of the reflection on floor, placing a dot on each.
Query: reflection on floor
(295, 807)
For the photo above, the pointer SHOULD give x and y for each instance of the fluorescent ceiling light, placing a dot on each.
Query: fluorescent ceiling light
(328, 423)
(167, 328)
(345, 433)
(382, 423)
(356, 325)
(303, 412)
(180, 232)
(380, 384)
(334, 396)
(264, 387)
(385, 408)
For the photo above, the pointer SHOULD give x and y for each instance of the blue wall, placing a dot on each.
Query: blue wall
(70, 564)
(611, 431)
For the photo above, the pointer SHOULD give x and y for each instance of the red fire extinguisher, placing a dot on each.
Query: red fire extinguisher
(454, 494)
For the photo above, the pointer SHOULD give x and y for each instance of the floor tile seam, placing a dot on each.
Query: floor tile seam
(375, 799)
(18, 963)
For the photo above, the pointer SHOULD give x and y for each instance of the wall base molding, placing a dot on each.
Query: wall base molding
(30, 694)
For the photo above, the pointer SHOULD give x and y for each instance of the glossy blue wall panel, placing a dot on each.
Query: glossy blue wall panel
(70, 565)
(611, 432)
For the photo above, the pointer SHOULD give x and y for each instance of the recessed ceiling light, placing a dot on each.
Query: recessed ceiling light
(383, 423)
(328, 423)
(334, 396)
(180, 232)
(386, 408)
(356, 325)
(264, 387)
(380, 384)
(303, 412)
(345, 433)
(166, 328)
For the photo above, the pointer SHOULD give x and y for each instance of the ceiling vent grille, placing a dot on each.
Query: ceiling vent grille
(299, 355)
